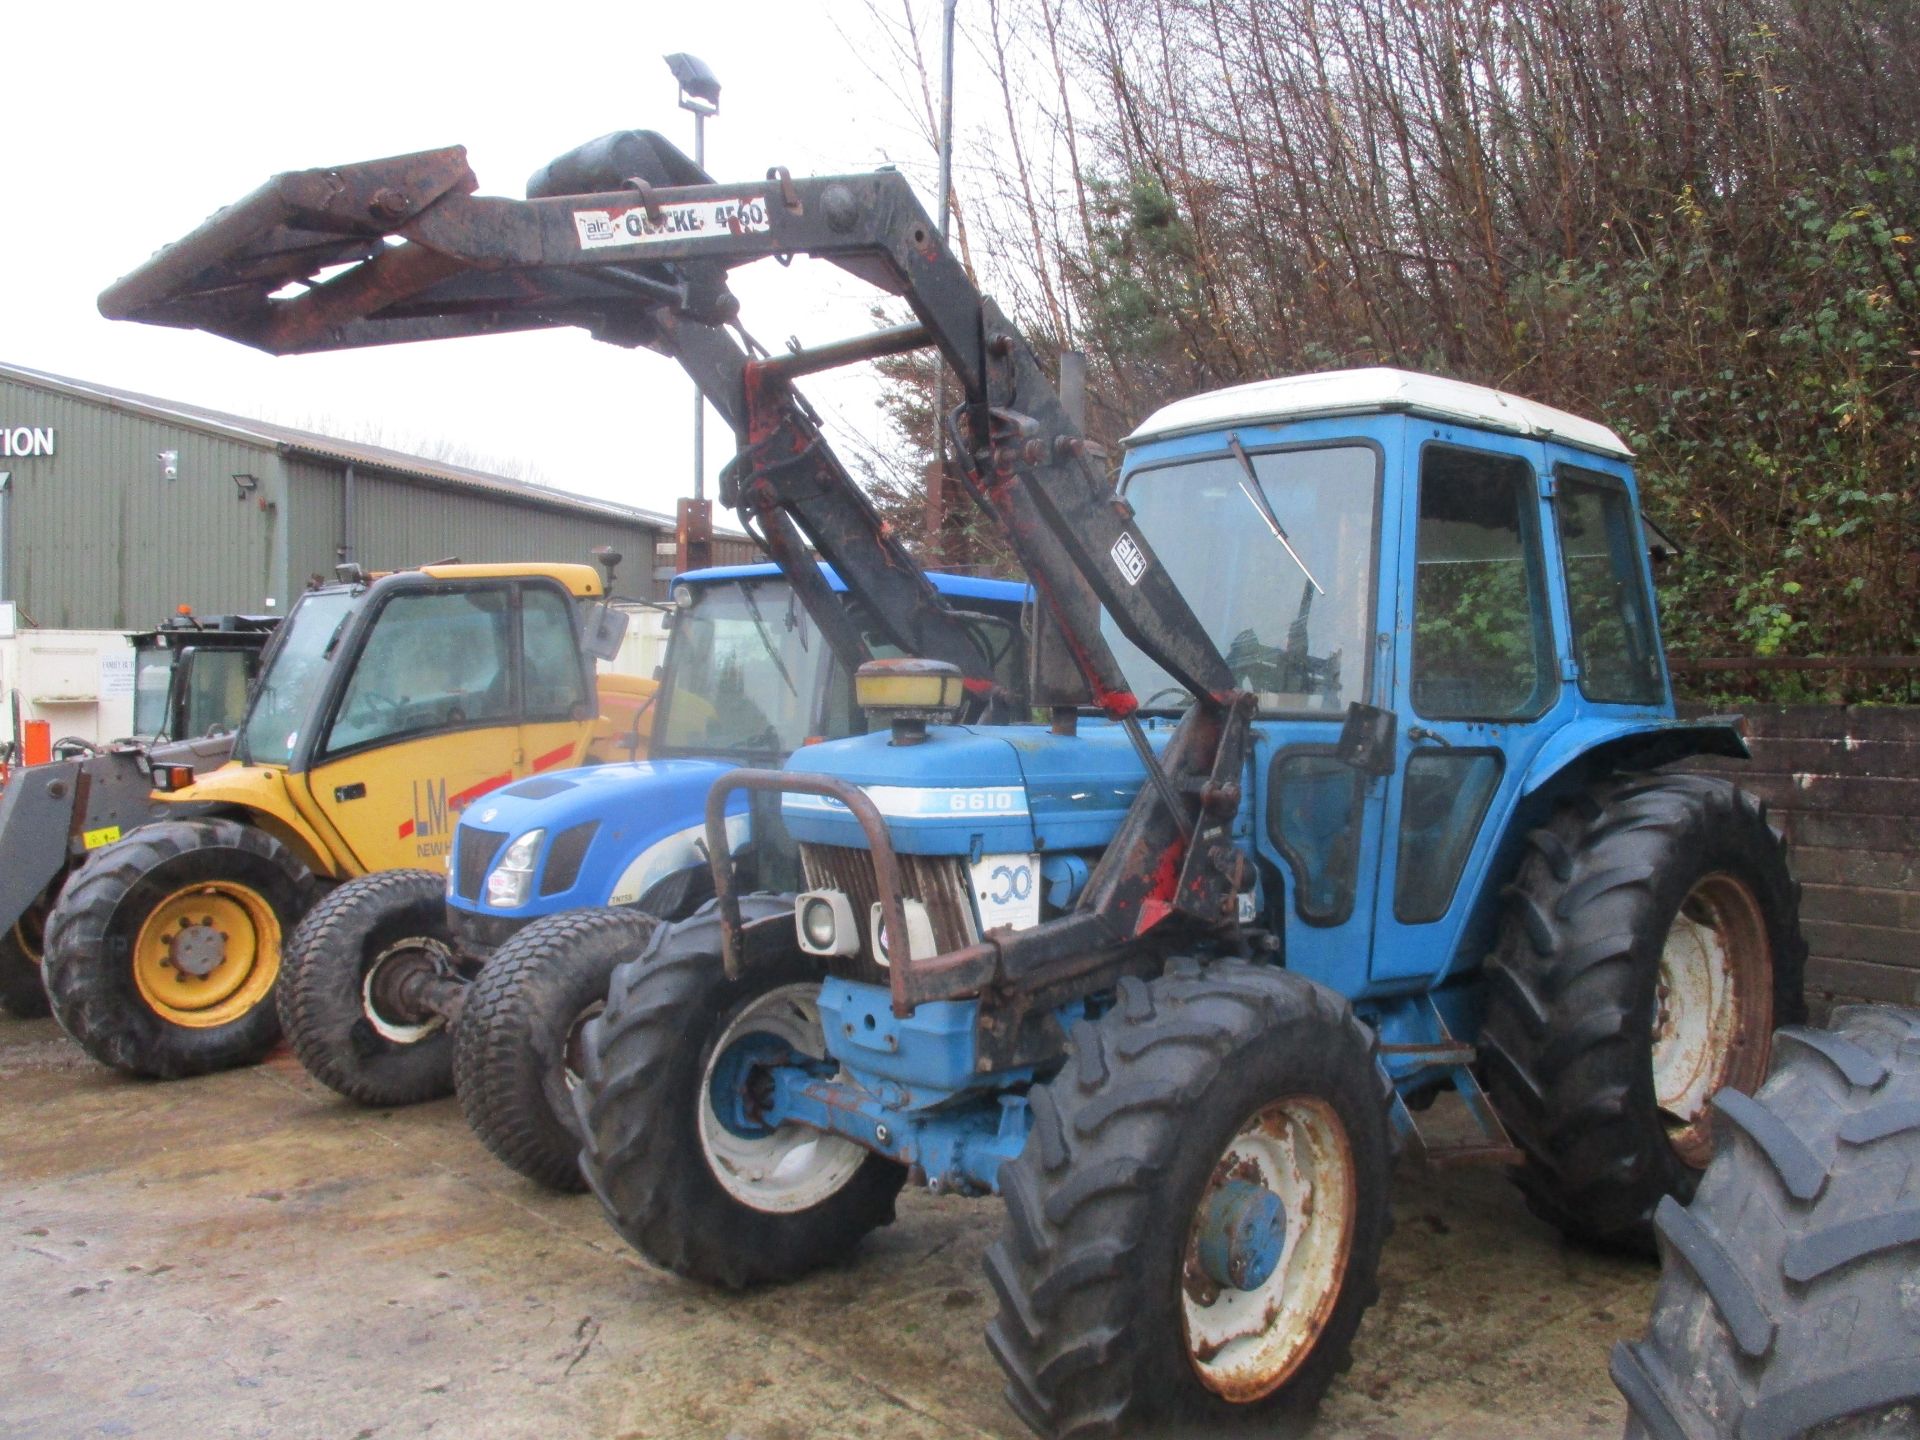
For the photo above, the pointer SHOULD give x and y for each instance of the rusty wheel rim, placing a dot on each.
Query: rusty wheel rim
(1244, 1344)
(1713, 1008)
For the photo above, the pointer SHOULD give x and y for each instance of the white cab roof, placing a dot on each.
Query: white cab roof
(1378, 390)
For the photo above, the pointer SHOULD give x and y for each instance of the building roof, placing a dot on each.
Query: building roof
(1378, 390)
(291, 440)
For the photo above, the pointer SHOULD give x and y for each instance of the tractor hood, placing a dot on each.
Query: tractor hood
(977, 789)
(631, 797)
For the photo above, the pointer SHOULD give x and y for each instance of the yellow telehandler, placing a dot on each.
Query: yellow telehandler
(385, 707)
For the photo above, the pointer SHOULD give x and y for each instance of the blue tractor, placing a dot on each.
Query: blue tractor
(554, 879)
(1354, 790)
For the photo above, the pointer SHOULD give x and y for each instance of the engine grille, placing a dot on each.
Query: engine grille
(937, 881)
(476, 851)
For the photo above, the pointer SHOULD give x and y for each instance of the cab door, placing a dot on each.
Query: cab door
(1479, 689)
(428, 721)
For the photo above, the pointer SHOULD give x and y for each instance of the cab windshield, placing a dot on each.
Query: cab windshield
(1285, 588)
(152, 675)
(290, 688)
(744, 671)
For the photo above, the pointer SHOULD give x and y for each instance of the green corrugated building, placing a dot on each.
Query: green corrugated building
(117, 508)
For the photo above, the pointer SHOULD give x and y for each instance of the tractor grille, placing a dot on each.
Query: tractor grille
(937, 881)
(476, 851)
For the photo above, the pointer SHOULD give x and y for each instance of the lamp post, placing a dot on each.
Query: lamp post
(700, 94)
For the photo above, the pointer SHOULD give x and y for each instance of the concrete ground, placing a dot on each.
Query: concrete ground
(247, 1255)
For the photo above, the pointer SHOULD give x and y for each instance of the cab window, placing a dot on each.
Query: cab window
(1482, 649)
(1614, 640)
(550, 650)
(434, 660)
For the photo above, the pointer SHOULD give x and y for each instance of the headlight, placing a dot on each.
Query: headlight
(824, 919)
(512, 878)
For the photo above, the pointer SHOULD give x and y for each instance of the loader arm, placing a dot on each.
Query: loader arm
(624, 238)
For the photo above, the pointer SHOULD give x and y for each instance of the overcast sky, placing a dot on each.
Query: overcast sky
(125, 126)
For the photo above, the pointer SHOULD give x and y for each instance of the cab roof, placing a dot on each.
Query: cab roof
(1378, 390)
(966, 587)
(583, 581)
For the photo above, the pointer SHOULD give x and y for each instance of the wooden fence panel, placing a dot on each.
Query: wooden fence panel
(1843, 784)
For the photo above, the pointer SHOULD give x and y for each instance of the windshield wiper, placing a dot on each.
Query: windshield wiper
(1258, 497)
(766, 638)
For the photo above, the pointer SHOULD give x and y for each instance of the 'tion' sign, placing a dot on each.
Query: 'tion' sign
(21, 442)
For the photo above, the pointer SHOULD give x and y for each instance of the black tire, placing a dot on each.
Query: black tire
(1094, 1271)
(1786, 1302)
(93, 968)
(641, 1103)
(1574, 992)
(23, 992)
(339, 1034)
(510, 1048)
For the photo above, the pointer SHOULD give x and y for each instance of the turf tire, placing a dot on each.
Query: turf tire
(1567, 1046)
(1787, 1304)
(1088, 1272)
(510, 1046)
(322, 990)
(89, 958)
(639, 1104)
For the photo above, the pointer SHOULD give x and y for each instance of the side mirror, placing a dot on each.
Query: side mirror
(1366, 739)
(606, 627)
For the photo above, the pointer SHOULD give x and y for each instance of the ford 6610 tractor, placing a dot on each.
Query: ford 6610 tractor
(1358, 796)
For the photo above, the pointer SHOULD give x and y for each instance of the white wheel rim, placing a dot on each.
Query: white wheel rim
(394, 1030)
(1245, 1344)
(795, 1167)
(1712, 1007)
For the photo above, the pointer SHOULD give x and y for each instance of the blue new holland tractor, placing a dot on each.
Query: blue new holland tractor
(1355, 789)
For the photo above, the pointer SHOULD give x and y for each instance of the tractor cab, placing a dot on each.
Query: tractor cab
(192, 675)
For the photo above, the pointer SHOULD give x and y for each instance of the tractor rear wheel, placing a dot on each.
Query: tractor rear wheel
(164, 948)
(350, 1000)
(1787, 1300)
(23, 992)
(688, 1188)
(1651, 946)
(516, 1049)
(1194, 1227)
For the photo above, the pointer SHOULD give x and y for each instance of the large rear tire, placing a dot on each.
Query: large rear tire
(1651, 946)
(164, 948)
(677, 1182)
(1787, 1301)
(516, 1049)
(345, 998)
(1195, 1224)
(23, 990)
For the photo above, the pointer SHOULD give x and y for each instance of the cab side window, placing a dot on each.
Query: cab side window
(1482, 648)
(436, 659)
(550, 650)
(1614, 639)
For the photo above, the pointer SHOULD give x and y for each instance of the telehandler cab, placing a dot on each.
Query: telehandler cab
(384, 708)
(1359, 798)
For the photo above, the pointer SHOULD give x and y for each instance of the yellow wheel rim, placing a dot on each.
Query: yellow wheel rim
(207, 954)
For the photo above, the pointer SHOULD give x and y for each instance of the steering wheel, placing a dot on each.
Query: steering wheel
(1154, 699)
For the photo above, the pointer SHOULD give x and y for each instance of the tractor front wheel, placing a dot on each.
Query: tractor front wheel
(354, 999)
(688, 1182)
(516, 1049)
(164, 948)
(23, 993)
(1194, 1227)
(1651, 946)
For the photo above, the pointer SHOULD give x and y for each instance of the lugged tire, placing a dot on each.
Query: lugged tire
(23, 993)
(509, 1047)
(1568, 1041)
(1787, 1302)
(89, 962)
(322, 1004)
(638, 1102)
(1088, 1273)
